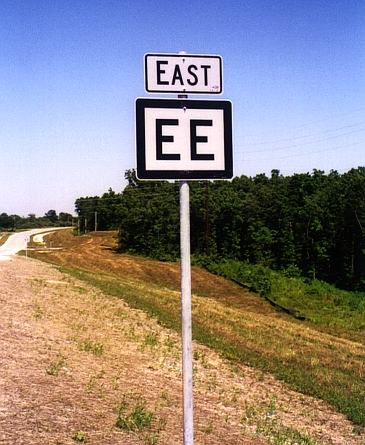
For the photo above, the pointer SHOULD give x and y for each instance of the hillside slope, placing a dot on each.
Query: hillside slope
(252, 323)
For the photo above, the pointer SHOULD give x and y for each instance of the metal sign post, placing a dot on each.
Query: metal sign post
(27, 239)
(187, 358)
(186, 319)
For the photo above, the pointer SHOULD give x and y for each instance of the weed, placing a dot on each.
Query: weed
(235, 395)
(212, 382)
(207, 429)
(79, 436)
(93, 347)
(38, 311)
(170, 344)
(201, 357)
(278, 434)
(134, 418)
(81, 290)
(358, 429)
(55, 367)
(166, 399)
(94, 381)
(263, 417)
(234, 367)
(151, 340)
(252, 412)
(150, 438)
(76, 326)
(121, 313)
(131, 334)
(271, 408)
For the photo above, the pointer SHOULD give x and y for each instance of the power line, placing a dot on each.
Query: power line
(325, 119)
(293, 155)
(303, 136)
(303, 143)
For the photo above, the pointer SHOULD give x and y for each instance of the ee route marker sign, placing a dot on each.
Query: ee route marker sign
(184, 139)
(183, 73)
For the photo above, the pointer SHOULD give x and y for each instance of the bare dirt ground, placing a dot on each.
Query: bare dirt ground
(70, 355)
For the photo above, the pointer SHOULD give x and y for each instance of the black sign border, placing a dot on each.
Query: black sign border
(181, 56)
(143, 174)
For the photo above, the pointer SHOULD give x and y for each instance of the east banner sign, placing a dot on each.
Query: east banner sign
(183, 73)
(183, 139)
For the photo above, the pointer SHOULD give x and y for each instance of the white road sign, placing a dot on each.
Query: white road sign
(183, 139)
(183, 73)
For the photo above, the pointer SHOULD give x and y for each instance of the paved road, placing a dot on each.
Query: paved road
(18, 241)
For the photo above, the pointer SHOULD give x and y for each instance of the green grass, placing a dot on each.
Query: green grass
(263, 417)
(310, 361)
(151, 340)
(56, 366)
(135, 417)
(79, 436)
(95, 348)
(315, 301)
(280, 435)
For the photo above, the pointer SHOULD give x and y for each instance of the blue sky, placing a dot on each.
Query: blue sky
(70, 71)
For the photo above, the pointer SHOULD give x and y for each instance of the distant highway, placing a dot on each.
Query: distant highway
(18, 241)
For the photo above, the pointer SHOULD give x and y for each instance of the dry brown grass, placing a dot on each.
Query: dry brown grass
(4, 236)
(52, 386)
(233, 404)
(96, 253)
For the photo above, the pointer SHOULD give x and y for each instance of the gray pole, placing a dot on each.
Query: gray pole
(187, 362)
(26, 247)
(96, 221)
(187, 353)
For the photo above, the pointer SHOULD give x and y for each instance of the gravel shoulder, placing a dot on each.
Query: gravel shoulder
(70, 356)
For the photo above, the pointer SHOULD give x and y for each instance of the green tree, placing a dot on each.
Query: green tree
(52, 216)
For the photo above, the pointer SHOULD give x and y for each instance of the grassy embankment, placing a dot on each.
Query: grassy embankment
(317, 348)
(3, 237)
(320, 303)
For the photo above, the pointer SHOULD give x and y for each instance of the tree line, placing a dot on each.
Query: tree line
(310, 224)
(50, 219)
